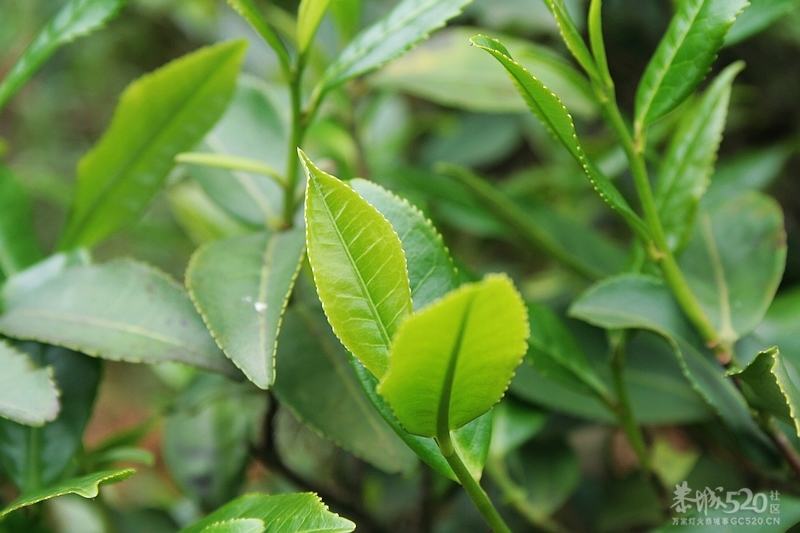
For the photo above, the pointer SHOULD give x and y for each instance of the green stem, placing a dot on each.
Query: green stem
(298, 131)
(474, 490)
(658, 250)
(230, 162)
(623, 404)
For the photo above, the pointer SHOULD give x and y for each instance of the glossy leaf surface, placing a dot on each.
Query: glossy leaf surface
(447, 72)
(452, 361)
(237, 525)
(551, 112)
(28, 394)
(18, 245)
(684, 56)
(76, 19)
(410, 22)
(641, 302)
(33, 458)
(122, 311)
(241, 286)
(359, 267)
(687, 167)
(316, 381)
(281, 513)
(774, 386)
(735, 261)
(431, 272)
(171, 109)
(86, 486)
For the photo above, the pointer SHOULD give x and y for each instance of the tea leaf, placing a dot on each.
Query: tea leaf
(453, 360)
(309, 15)
(359, 267)
(28, 394)
(237, 525)
(687, 167)
(760, 15)
(735, 260)
(18, 245)
(641, 302)
(248, 10)
(172, 108)
(774, 386)
(684, 56)
(552, 113)
(76, 19)
(572, 37)
(284, 513)
(86, 486)
(122, 311)
(241, 287)
(410, 22)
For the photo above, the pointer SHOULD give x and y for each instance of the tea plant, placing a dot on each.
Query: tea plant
(669, 318)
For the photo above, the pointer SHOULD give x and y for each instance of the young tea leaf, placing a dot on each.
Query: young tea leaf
(309, 15)
(241, 287)
(552, 113)
(158, 116)
(687, 167)
(453, 360)
(122, 311)
(237, 525)
(285, 513)
(28, 394)
(684, 56)
(572, 37)
(773, 386)
(76, 19)
(249, 11)
(18, 245)
(410, 22)
(359, 267)
(86, 486)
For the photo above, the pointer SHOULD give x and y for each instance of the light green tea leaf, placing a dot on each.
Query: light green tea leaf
(572, 37)
(18, 245)
(551, 112)
(431, 272)
(359, 267)
(248, 10)
(237, 525)
(122, 311)
(28, 394)
(635, 301)
(687, 167)
(241, 287)
(281, 513)
(410, 22)
(735, 261)
(756, 18)
(171, 109)
(76, 19)
(452, 361)
(774, 386)
(86, 486)
(317, 383)
(684, 56)
(309, 15)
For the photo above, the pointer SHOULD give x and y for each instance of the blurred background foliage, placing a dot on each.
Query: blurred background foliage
(444, 101)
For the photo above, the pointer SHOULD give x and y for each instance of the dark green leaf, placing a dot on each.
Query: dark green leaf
(122, 311)
(173, 108)
(773, 385)
(684, 56)
(359, 267)
(207, 439)
(735, 262)
(18, 245)
(317, 383)
(453, 360)
(789, 515)
(86, 486)
(431, 272)
(687, 167)
(33, 458)
(76, 19)
(281, 513)
(552, 113)
(410, 22)
(781, 327)
(514, 424)
(241, 287)
(749, 171)
(641, 302)
(28, 394)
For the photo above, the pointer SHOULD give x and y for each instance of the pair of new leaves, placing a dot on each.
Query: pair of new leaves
(440, 366)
